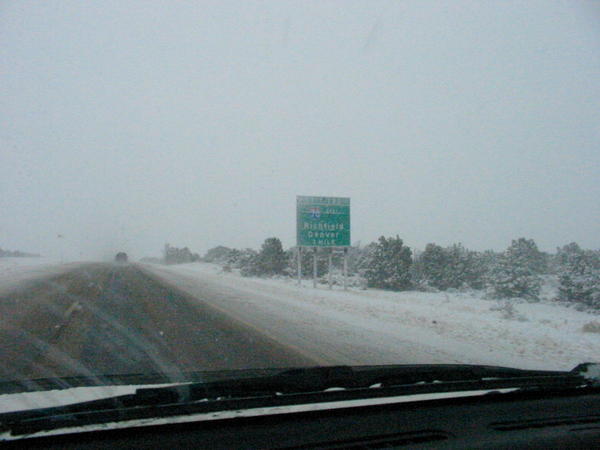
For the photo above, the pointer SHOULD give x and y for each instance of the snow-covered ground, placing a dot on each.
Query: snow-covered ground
(372, 326)
(377, 327)
(15, 271)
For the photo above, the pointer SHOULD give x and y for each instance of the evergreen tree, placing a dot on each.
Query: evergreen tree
(480, 264)
(434, 263)
(579, 275)
(452, 267)
(465, 268)
(272, 259)
(516, 273)
(389, 265)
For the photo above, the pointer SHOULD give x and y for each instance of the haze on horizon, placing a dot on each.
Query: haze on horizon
(127, 125)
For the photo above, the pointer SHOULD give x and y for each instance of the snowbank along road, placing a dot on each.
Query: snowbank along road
(381, 327)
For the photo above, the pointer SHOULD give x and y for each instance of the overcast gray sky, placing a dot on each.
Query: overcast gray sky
(125, 125)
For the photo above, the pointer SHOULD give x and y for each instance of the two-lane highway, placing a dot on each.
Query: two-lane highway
(103, 319)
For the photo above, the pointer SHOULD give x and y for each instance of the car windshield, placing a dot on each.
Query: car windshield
(194, 188)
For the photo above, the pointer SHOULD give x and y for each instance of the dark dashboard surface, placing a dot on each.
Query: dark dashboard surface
(492, 421)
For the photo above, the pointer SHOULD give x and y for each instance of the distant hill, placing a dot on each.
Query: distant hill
(16, 253)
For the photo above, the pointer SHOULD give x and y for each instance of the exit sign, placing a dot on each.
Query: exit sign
(322, 221)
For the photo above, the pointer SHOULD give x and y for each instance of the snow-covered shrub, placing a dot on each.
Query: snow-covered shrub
(452, 267)
(591, 327)
(251, 267)
(271, 260)
(337, 279)
(361, 259)
(354, 256)
(307, 262)
(174, 255)
(508, 311)
(579, 275)
(241, 258)
(517, 271)
(218, 254)
(389, 265)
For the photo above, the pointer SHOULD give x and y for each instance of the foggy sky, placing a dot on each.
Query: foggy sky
(126, 125)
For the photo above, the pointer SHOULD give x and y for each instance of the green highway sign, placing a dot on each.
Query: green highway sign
(322, 221)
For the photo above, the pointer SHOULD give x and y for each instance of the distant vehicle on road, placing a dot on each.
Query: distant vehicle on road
(121, 257)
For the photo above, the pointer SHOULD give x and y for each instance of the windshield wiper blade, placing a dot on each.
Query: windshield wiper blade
(146, 378)
(317, 379)
(297, 386)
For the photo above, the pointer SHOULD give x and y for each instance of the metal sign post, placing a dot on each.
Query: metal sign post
(314, 267)
(346, 269)
(299, 260)
(330, 266)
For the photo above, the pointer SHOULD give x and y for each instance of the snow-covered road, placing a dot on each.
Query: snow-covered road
(372, 326)
(378, 327)
(16, 271)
